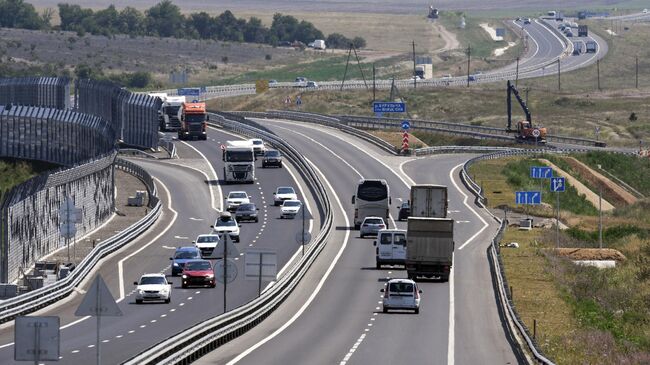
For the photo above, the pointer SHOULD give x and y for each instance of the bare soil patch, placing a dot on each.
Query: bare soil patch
(621, 196)
(590, 253)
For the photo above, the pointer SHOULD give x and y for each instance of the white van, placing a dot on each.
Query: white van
(391, 247)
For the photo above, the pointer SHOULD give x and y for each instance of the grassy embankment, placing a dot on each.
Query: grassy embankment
(14, 172)
(584, 315)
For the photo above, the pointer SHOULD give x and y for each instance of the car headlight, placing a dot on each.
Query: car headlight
(176, 264)
(230, 168)
(209, 276)
(184, 276)
(140, 291)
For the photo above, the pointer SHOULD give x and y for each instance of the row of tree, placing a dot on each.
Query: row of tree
(166, 20)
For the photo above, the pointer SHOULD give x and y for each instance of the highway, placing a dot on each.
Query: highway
(458, 320)
(187, 194)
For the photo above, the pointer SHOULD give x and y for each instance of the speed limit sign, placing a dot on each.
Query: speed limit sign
(535, 133)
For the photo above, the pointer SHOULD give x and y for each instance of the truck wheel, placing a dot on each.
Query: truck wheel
(138, 301)
(168, 300)
(444, 278)
(378, 265)
(417, 310)
(357, 226)
(411, 276)
(385, 310)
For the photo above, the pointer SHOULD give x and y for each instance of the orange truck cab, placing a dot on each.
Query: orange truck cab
(193, 117)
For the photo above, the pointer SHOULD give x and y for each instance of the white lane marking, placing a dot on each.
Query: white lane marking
(168, 248)
(196, 219)
(132, 331)
(451, 344)
(119, 336)
(75, 351)
(465, 197)
(353, 349)
(105, 341)
(143, 325)
(120, 264)
(214, 174)
(318, 287)
(181, 237)
(304, 196)
(163, 315)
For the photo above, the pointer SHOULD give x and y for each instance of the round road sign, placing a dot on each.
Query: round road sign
(300, 237)
(536, 133)
(231, 271)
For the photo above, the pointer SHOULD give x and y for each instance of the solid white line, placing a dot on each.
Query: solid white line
(214, 174)
(451, 342)
(485, 224)
(120, 264)
(318, 287)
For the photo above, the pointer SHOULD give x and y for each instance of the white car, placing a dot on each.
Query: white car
(207, 243)
(284, 193)
(401, 294)
(258, 146)
(235, 199)
(153, 287)
(290, 208)
(226, 223)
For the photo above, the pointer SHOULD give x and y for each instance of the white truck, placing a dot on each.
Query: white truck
(430, 234)
(239, 162)
(169, 113)
(319, 44)
(428, 200)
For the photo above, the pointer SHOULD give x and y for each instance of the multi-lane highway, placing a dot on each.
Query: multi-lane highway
(343, 323)
(192, 195)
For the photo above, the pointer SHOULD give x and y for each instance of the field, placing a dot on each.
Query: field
(14, 172)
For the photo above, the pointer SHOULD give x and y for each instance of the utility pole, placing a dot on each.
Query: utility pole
(598, 72)
(415, 79)
(600, 216)
(517, 73)
(559, 85)
(374, 87)
(469, 55)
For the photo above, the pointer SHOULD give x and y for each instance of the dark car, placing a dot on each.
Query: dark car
(183, 255)
(272, 158)
(247, 212)
(198, 272)
(404, 211)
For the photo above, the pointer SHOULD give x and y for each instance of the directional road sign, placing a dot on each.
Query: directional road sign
(388, 107)
(36, 339)
(406, 125)
(528, 197)
(189, 91)
(557, 184)
(541, 172)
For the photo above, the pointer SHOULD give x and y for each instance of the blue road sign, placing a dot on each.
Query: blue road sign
(298, 100)
(189, 91)
(558, 184)
(203, 89)
(541, 172)
(528, 197)
(388, 107)
(195, 100)
(406, 125)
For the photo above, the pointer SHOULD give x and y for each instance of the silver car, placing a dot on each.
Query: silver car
(371, 226)
(401, 294)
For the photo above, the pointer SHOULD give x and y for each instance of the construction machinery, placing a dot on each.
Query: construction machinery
(525, 131)
(433, 13)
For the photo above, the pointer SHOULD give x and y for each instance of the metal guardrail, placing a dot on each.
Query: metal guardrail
(461, 149)
(48, 92)
(201, 338)
(39, 298)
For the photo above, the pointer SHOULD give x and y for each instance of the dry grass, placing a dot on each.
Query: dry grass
(395, 138)
(536, 297)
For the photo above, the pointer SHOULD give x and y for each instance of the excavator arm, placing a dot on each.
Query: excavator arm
(524, 107)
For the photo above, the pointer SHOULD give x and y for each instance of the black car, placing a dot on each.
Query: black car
(272, 158)
(404, 211)
(247, 212)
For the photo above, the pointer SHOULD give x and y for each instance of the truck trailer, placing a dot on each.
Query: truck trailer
(429, 247)
(428, 200)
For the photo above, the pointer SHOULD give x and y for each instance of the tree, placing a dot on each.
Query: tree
(203, 24)
(359, 42)
(255, 32)
(165, 20)
(72, 16)
(18, 14)
(140, 79)
(107, 20)
(337, 40)
(131, 21)
(83, 71)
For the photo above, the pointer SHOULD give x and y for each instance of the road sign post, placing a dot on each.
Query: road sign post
(225, 271)
(69, 216)
(558, 185)
(98, 302)
(260, 265)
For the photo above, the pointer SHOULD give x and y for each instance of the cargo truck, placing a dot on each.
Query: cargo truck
(239, 162)
(429, 247)
(193, 117)
(583, 31)
(170, 113)
(591, 47)
(428, 200)
(319, 44)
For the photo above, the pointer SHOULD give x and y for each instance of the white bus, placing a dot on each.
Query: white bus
(372, 199)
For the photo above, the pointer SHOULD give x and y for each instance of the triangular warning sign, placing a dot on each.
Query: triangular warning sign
(98, 301)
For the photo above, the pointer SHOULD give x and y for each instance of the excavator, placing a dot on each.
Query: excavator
(525, 131)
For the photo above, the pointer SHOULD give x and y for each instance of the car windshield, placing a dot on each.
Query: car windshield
(228, 223)
(291, 203)
(237, 195)
(372, 190)
(240, 156)
(401, 288)
(186, 255)
(152, 280)
(246, 207)
(286, 191)
(198, 265)
(192, 118)
(373, 221)
(258, 142)
(272, 153)
(204, 239)
(405, 205)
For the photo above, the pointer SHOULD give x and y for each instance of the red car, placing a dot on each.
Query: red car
(198, 272)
